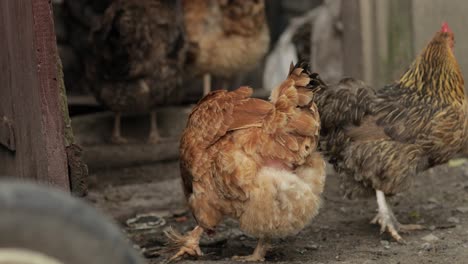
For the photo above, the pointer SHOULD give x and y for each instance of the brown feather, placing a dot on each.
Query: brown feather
(238, 153)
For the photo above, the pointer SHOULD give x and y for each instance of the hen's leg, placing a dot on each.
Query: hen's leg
(116, 136)
(258, 254)
(387, 220)
(153, 137)
(188, 244)
(206, 84)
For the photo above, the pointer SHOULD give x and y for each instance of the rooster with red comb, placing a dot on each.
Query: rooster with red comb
(379, 140)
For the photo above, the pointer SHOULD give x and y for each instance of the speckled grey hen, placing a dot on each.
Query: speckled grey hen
(137, 57)
(379, 140)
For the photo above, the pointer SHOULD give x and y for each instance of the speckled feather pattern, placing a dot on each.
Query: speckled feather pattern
(137, 55)
(381, 139)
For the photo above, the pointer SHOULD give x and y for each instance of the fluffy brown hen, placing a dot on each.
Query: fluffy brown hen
(254, 161)
(136, 59)
(379, 140)
(226, 37)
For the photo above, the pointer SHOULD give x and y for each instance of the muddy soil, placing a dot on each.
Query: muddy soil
(341, 233)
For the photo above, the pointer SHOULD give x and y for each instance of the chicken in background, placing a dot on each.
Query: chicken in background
(379, 140)
(315, 36)
(226, 37)
(137, 57)
(254, 161)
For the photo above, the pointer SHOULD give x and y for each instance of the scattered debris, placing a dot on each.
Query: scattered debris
(181, 219)
(311, 246)
(385, 244)
(146, 221)
(427, 246)
(445, 226)
(430, 206)
(414, 214)
(453, 220)
(301, 251)
(430, 238)
(463, 209)
(457, 162)
(152, 252)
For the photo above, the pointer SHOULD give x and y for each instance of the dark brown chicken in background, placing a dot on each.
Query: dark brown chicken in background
(254, 161)
(137, 58)
(226, 37)
(379, 140)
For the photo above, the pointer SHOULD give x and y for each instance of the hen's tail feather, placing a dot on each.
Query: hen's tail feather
(345, 103)
(303, 66)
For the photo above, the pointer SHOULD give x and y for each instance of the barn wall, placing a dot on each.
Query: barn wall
(393, 32)
(29, 94)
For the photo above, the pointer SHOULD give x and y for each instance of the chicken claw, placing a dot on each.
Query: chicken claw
(388, 222)
(185, 245)
(258, 254)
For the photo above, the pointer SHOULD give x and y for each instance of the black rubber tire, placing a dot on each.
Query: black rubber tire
(57, 225)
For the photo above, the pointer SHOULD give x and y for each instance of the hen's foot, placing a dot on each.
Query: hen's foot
(258, 254)
(154, 138)
(184, 245)
(118, 139)
(388, 222)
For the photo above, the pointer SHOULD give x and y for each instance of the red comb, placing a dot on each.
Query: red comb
(445, 28)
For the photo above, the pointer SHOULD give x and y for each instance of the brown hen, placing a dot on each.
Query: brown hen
(379, 140)
(253, 160)
(226, 37)
(136, 59)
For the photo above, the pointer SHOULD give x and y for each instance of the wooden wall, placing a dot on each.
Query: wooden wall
(32, 144)
(383, 37)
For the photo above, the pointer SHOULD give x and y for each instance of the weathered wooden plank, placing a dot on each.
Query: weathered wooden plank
(56, 172)
(7, 134)
(352, 39)
(30, 92)
(400, 38)
(6, 111)
(20, 72)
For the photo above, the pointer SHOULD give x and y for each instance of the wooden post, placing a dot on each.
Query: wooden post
(400, 38)
(352, 39)
(29, 93)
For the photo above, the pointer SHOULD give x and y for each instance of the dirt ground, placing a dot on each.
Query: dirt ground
(341, 233)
